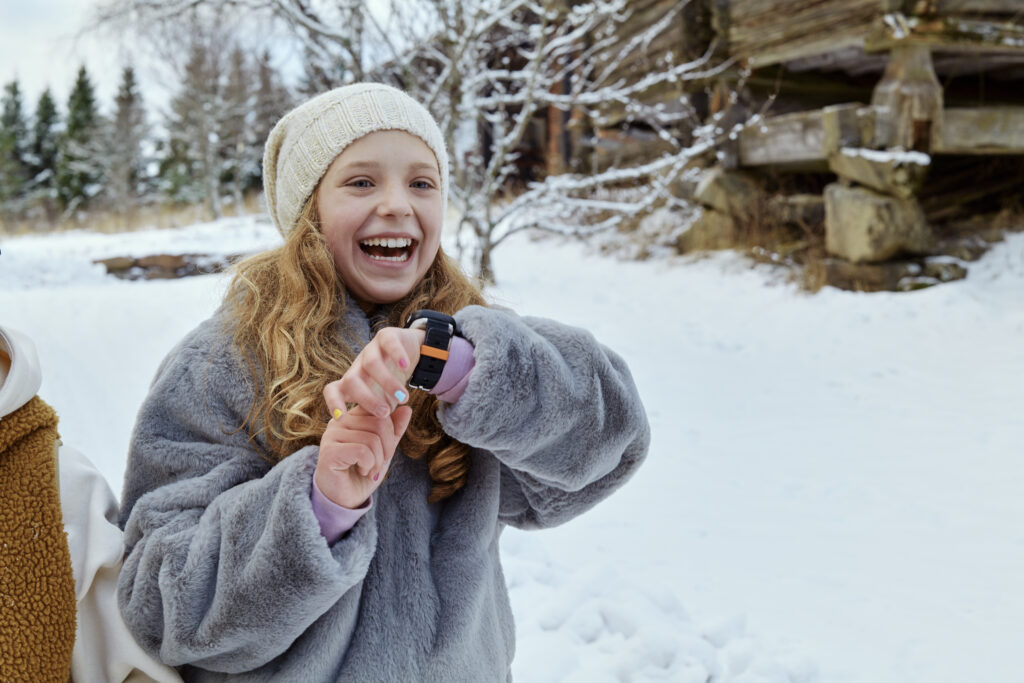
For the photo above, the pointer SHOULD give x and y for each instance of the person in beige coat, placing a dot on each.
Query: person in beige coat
(70, 562)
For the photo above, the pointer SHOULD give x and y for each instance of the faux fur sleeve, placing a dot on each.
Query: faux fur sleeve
(225, 565)
(558, 410)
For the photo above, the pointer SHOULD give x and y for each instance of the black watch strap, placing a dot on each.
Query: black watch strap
(439, 330)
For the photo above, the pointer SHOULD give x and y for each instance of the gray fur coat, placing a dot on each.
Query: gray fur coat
(226, 571)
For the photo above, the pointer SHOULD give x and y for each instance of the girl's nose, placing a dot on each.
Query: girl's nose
(394, 201)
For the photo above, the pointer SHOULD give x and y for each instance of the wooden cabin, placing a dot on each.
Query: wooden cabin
(900, 117)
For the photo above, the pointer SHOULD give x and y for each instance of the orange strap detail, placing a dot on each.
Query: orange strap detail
(433, 352)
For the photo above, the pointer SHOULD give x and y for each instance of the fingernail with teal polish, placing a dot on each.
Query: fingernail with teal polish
(400, 395)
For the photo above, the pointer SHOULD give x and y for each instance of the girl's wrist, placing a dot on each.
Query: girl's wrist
(335, 519)
(455, 376)
(336, 498)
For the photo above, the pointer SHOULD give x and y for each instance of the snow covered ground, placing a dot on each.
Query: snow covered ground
(833, 492)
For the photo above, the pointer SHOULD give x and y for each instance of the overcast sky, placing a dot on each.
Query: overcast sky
(41, 45)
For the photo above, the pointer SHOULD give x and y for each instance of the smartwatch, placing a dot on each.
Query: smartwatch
(440, 329)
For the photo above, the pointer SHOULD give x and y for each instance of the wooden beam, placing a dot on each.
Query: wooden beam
(980, 130)
(772, 31)
(947, 33)
(806, 48)
(977, 7)
(908, 100)
(790, 138)
(800, 137)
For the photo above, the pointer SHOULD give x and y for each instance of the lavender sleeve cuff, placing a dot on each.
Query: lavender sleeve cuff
(335, 520)
(457, 369)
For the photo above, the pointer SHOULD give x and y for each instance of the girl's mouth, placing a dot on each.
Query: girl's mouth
(393, 249)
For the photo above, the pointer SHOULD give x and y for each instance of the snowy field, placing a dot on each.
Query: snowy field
(834, 491)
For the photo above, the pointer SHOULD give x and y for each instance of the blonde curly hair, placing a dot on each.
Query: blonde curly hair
(285, 304)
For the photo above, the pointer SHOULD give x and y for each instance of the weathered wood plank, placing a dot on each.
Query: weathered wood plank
(771, 31)
(618, 148)
(801, 136)
(977, 6)
(908, 99)
(976, 35)
(841, 124)
(791, 138)
(980, 130)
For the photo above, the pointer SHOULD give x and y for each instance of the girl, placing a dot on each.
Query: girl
(293, 510)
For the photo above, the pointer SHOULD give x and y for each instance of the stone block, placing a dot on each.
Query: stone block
(731, 192)
(865, 226)
(898, 173)
(712, 230)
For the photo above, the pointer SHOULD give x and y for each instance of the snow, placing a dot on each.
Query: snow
(899, 156)
(833, 488)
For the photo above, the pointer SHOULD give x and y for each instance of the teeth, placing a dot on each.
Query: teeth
(389, 242)
(403, 257)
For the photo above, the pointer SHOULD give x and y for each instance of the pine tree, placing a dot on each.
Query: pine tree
(126, 174)
(194, 127)
(273, 100)
(236, 128)
(82, 154)
(42, 157)
(13, 148)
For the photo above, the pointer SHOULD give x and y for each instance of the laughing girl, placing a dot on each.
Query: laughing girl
(319, 477)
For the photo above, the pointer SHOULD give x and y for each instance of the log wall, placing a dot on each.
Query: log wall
(764, 32)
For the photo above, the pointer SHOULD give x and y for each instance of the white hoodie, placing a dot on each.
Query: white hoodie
(105, 652)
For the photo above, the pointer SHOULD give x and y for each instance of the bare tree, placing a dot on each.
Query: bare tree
(331, 32)
(493, 70)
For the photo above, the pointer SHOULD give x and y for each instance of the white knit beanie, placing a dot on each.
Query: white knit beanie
(308, 138)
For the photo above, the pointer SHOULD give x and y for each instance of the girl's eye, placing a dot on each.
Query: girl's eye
(422, 184)
(360, 183)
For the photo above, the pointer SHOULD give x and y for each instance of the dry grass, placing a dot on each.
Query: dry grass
(154, 216)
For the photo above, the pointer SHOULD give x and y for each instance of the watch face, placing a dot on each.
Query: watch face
(428, 316)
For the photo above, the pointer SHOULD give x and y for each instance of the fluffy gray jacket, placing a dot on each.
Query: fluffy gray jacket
(227, 572)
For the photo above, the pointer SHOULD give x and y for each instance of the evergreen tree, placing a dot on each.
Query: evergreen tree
(42, 157)
(126, 174)
(82, 156)
(194, 127)
(13, 148)
(273, 100)
(236, 127)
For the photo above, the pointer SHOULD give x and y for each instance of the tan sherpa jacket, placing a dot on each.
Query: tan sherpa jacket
(33, 545)
(37, 590)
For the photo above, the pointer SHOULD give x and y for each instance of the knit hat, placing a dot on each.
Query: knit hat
(308, 138)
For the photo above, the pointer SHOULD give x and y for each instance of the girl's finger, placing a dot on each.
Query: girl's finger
(345, 457)
(334, 397)
(358, 387)
(383, 372)
(366, 447)
(400, 421)
(394, 350)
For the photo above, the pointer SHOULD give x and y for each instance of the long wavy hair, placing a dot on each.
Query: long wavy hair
(285, 305)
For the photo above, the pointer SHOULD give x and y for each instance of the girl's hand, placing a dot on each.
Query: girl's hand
(378, 378)
(355, 453)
